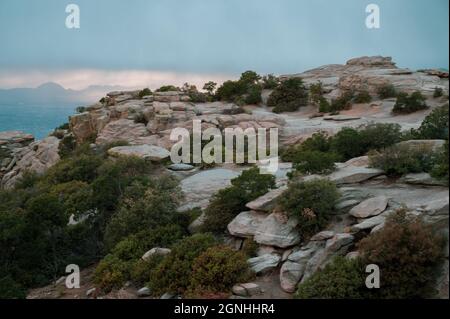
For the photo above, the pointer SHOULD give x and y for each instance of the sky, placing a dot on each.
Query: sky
(134, 42)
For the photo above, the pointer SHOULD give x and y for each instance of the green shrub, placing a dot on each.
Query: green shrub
(229, 202)
(81, 109)
(319, 142)
(253, 95)
(112, 273)
(376, 136)
(440, 169)
(402, 159)
(246, 90)
(409, 103)
(316, 93)
(210, 87)
(344, 102)
(217, 270)
(80, 168)
(438, 92)
(314, 162)
(434, 126)
(270, 82)
(407, 251)
(66, 146)
(145, 92)
(250, 248)
(153, 208)
(9, 289)
(348, 143)
(174, 272)
(324, 106)
(289, 96)
(341, 279)
(142, 269)
(167, 88)
(312, 202)
(386, 91)
(362, 97)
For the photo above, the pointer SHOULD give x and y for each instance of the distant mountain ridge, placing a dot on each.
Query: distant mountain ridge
(53, 94)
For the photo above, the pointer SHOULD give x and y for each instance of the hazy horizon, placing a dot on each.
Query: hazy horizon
(152, 43)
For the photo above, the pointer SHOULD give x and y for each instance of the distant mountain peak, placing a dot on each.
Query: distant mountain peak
(51, 85)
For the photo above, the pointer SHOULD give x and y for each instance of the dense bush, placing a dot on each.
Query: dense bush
(9, 289)
(270, 82)
(316, 93)
(314, 162)
(66, 146)
(409, 103)
(407, 251)
(386, 91)
(343, 102)
(229, 202)
(124, 261)
(403, 159)
(318, 153)
(324, 106)
(434, 126)
(145, 92)
(348, 143)
(312, 202)
(174, 272)
(438, 92)
(289, 96)
(167, 88)
(376, 136)
(340, 279)
(441, 169)
(147, 207)
(37, 242)
(217, 270)
(246, 90)
(362, 97)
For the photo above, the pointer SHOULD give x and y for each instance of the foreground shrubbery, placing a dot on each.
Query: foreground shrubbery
(407, 252)
(35, 239)
(341, 279)
(229, 202)
(434, 126)
(312, 202)
(174, 272)
(216, 271)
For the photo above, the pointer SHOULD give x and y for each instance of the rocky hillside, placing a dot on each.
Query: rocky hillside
(284, 257)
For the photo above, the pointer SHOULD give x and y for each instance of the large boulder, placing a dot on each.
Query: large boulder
(151, 152)
(370, 207)
(36, 157)
(267, 202)
(122, 130)
(200, 187)
(421, 179)
(246, 224)
(155, 252)
(293, 269)
(351, 174)
(278, 230)
(264, 263)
